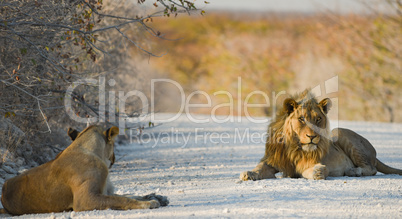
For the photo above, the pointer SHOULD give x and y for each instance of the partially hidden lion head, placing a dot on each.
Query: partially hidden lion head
(299, 136)
(108, 135)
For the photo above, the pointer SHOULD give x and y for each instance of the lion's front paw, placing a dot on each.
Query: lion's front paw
(249, 175)
(319, 172)
(163, 200)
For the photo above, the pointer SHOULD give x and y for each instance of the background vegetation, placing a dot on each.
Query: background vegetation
(290, 52)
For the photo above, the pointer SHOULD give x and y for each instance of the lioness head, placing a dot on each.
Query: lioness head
(306, 121)
(109, 136)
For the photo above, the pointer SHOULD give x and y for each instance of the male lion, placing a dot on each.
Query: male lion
(77, 179)
(299, 144)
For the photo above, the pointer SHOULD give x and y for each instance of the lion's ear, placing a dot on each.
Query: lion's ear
(325, 105)
(290, 105)
(112, 133)
(72, 133)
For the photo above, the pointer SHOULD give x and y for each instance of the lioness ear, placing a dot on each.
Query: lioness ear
(72, 133)
(325, 105)
(112, 133)
(290, 105)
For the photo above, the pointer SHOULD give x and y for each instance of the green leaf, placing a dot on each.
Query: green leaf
(23, 51)
(33, 61)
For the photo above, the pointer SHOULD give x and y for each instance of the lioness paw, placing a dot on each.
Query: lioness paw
(154, 204)
(249, 175)
(319, 172)
(163, 200)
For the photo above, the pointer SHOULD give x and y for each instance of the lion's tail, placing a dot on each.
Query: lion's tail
(383, 168)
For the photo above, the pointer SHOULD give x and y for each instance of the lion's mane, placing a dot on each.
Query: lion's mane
(283, 149)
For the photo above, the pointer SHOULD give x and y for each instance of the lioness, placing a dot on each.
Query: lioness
(77, 179)
(300, 144)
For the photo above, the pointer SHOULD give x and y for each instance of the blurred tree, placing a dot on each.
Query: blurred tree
(46, 45)
(376, 61)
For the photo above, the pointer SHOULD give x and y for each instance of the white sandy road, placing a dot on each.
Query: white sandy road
(201, 177)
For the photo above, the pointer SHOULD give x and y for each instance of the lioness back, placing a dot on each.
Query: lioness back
(49, 187)
(40, 186)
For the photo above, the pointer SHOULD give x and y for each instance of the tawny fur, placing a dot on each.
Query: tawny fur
(299, 144)
(77, 179)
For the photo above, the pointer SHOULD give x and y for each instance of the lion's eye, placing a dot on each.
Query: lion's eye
(301, 119)
(318, 119)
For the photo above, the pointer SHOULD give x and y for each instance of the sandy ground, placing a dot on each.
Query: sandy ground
(198, 165)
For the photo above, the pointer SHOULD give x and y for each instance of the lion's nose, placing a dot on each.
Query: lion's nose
(311, 136)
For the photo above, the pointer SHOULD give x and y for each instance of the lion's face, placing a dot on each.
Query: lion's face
(307, 121)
